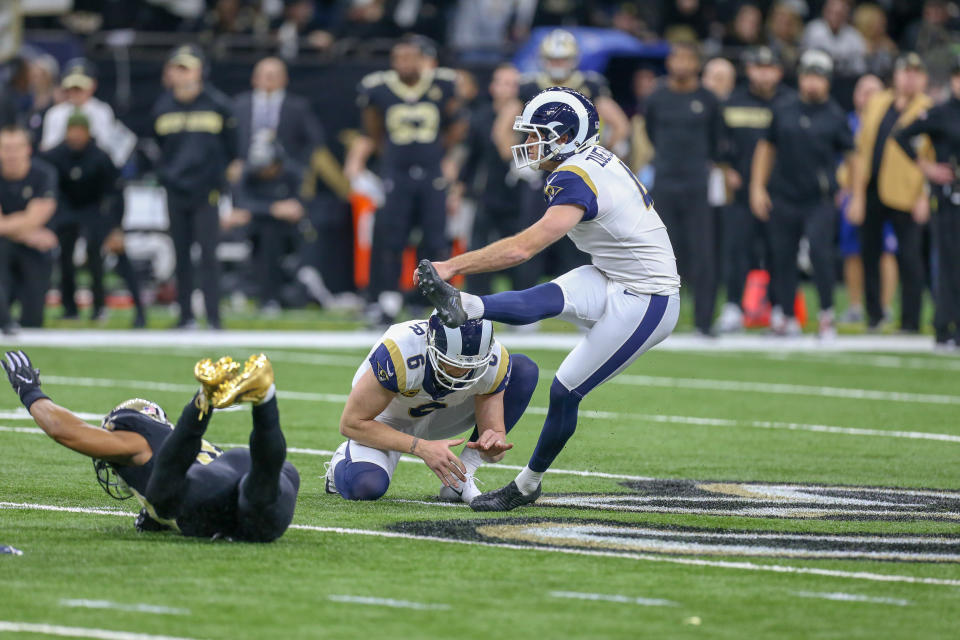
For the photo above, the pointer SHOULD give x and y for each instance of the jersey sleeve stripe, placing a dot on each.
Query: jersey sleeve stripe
(398, 364)
(583, 176)
(503, 366)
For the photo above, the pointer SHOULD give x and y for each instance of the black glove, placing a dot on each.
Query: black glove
(24, 379)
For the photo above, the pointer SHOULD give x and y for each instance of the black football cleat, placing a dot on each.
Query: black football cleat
(504, 499)
(443, 295)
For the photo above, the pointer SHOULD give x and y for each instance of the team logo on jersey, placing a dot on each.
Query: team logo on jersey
(27, 192)
(435, 93)
(383, 374)
(610, 531)
(696, 106)
(551, 191)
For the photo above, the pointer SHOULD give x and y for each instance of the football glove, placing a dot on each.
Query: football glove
(24, 379)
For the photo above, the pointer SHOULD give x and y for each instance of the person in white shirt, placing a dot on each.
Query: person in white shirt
(79, 83)
(834, 34)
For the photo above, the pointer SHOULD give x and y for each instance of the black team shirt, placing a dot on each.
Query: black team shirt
(686, 130)
(40, 182)
(809, 140)
(414, 117)
(87, 179)
(747, 117)
(197, 141)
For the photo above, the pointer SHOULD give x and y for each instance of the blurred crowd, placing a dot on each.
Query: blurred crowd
(760, 175)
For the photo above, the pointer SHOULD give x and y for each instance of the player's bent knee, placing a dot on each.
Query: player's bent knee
(361, 480)
(524, 373)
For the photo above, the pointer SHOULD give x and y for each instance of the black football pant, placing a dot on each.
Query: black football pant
(946, 235)
(692, 227)
(789, 222)
(270, 239)
(909, 260)
(24, 276)
(196, 222)
(68, 233)
(745, 247)
(247, 495)
(410, 203)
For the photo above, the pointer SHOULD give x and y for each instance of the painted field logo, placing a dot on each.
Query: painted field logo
(768, 500)
(743, 499)
(648, 538)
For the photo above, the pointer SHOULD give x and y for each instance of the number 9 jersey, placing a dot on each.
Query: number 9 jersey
(421, 406)
(414, 116)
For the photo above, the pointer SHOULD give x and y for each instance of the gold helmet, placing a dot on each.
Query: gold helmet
(107, 476)
(559, 54)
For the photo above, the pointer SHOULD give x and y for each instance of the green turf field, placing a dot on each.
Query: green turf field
(642, 562)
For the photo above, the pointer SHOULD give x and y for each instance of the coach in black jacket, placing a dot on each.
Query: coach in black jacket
(196, 130)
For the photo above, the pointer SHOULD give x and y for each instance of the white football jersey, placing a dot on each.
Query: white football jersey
(620, 229)
(420, 407)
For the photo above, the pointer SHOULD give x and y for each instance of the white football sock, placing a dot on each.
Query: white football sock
(472, 304)
(471, 460)
(528, 480)
(391, 302)
(272, 391)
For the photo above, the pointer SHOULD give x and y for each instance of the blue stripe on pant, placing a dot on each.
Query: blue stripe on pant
(561, 419)
(651, 319)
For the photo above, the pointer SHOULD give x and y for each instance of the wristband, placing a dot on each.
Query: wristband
(32, 395)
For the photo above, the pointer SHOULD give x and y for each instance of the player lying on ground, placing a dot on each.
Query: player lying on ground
(628, 299)
(421, 384)
(183, 482)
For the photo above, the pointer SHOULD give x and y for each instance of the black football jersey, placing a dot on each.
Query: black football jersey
(155, 434)
(414, 117)
(589, 83)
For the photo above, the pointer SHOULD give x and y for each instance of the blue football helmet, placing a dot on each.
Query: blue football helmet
(550, 115)
(469, 346)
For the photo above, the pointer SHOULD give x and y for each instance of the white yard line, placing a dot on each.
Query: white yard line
(851, 597)
(388, 602)
(22, 414)
(54, 507)
(859, 361)
(747, 566)
(119, 606)
(79, 632)
(702, 384)
(646, 602)
(363, 339)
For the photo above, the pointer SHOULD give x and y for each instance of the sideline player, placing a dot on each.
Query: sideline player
(182, 481)
(421, 384)
(628, 298)
(411, 119)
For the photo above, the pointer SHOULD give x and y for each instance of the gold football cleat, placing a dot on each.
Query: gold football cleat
(212, 374)
(250, 385)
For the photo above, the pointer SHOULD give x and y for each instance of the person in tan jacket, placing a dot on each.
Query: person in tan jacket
(887, 185)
